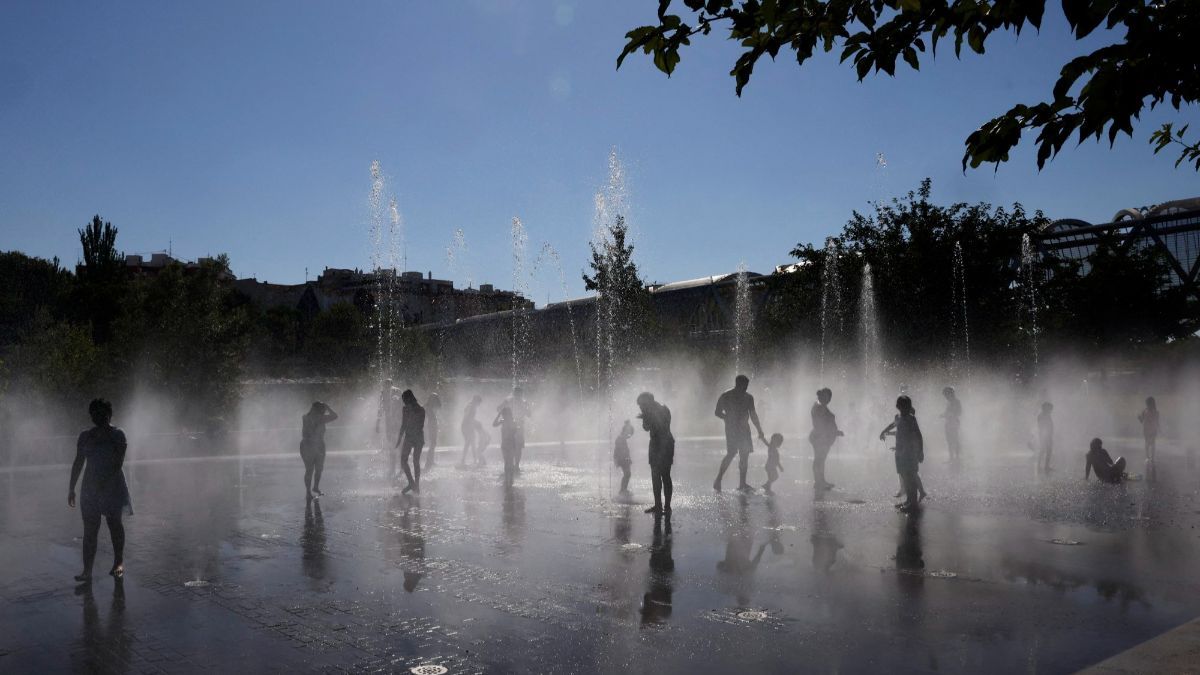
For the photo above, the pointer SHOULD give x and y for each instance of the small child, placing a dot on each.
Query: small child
(508, 442)
(621, 455)
(774, 468)
(482, 440)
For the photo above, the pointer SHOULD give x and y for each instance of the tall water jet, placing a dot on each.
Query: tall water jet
(831, 301)
(394, 261)
(1029, 307)
(379, 246)
(872, 401)
(550, 253)
(520, 328)
(960, 355)
(743, 318)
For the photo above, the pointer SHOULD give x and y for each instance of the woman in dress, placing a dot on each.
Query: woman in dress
(104, 493)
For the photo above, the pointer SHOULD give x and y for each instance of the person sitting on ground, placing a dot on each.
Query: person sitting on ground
(621, 455)
(1101, 462)
(774, 467)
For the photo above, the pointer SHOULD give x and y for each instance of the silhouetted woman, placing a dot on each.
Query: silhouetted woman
(656, 418)
(910, 451)
(312, 446)
(467, 427)
(104, 492)
(411, 440)
(433, 404)
(1149, 420)
(824, 432)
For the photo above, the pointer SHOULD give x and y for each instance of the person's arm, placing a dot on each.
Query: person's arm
(720, 411)
(76, 467)
(890, 429)
(497, 422)
(122, 446)
(1087, 469)
(330, 415)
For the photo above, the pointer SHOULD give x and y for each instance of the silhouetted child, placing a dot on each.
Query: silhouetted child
(621, 455)
(508, 442)
(774, 467)
(1045, 435)
(1101, 462)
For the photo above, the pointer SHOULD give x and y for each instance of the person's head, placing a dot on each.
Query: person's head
(100, 411)
(905, 406)
(741, 383)
(408, 397)
(1047, 407)
(645, 399)
(1151, 403)
(433, 401)
(1097, 444)
(776, 440)
(824, 395)
(317, 407)
(948, 392)
(627, 429)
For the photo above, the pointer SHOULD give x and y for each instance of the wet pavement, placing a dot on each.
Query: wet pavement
(229, 571)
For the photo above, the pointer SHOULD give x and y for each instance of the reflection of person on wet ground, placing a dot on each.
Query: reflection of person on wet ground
(824, 432)
(411, 440)
(909, 556)
(774, 466)
(433, 404)
(1101, 462)
(468, 427)
(910, 452)
(621, 456)
(1149, 420)
(412, 548)
(508, 442)
(312, 541)
(103, 645)
(104, 492)
(656, 418)
(824, 543)
(736, 408)
(656, 603)
(312, 446)
(953, 419)
(1045, 426)
(519, 408)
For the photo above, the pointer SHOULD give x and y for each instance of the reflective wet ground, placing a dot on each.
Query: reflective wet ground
(229, 571)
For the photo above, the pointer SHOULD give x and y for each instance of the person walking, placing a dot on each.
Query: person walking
(736, 408)
(312, 446)
(824, 432)
(104, 492)
(411, 440)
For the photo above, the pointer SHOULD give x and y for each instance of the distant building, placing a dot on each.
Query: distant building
(418, 299)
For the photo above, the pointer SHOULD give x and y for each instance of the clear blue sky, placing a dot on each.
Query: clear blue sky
(249, 128)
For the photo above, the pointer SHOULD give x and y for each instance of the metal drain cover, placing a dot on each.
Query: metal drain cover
(752, 615)
(631, 547)
(197, 583)
(943, 574)
(1065, 542)
(429, 669)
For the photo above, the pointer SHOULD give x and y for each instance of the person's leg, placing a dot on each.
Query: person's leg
(1118, 468)
(417, 469)
(625, 478)
(404, 454)
(392, 455)
(743, 467)
(913, 488)
(91, 531)
(509, 466)
(116, 532)
(657, 484)
(309, 465)
(318, 468)
(517, 451)
(1049, 452)
(668, 488)
(468, 442)
(730, 452)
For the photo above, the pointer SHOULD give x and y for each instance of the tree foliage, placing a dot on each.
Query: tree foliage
(1099, 94)
(623, 302)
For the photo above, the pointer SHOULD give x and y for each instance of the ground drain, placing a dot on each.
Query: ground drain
(429, 669)
(196, 583)
(943, 574)
(752, 615)
(631, 547)
(1066, 542)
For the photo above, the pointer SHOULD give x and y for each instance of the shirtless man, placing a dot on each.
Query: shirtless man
(736, 407)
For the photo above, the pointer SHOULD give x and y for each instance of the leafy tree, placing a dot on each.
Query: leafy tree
(1097, 94)
(338, 341)
(27, 286)
(623, 302)
(101, 259)
(100, 293)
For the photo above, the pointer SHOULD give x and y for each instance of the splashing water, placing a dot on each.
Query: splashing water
(960, 356)
(520, 328)
(743, 318)
(1029, 299)
(550, 253)
(831, 301)
(380, 243)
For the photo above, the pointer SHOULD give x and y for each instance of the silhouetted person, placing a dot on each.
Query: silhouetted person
(1149, 420)
(824, 432)
(736, 407)
(1099, 461)
(1045, 425)
(520, 413)
(508, 442)
(104, 492)
(411, 440)
(467, 427)
(656, 418)
(482, 440)
(433, 404)
(621, 455)
(890, 430)
(312, 446)
(910, 451)
(656, 603)
(774, 466)
(953, 419)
